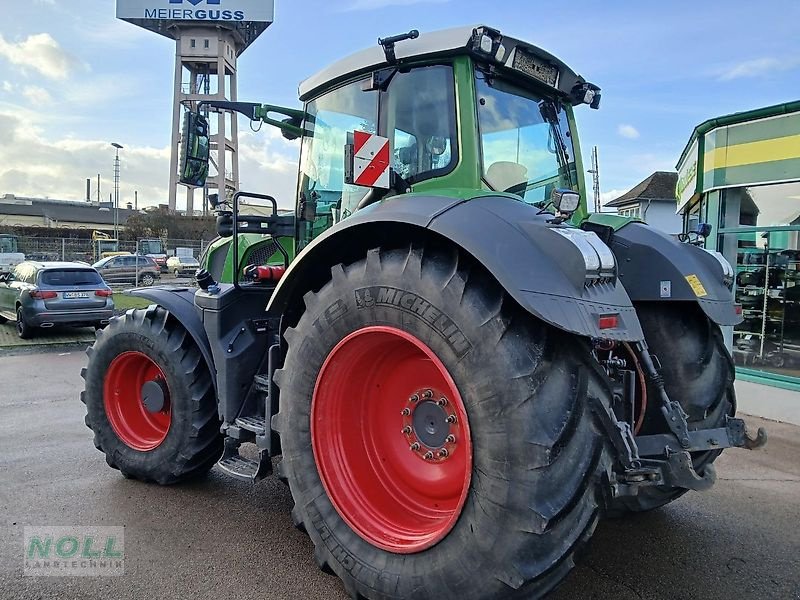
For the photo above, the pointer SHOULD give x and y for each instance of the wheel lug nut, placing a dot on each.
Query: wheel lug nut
(405, 412)
(451, 419)
(427, 394)
(442, 402)
(413, 398)
(414, 447)
(428, 455)
(450, 439)
(407, 429)
(443, 453)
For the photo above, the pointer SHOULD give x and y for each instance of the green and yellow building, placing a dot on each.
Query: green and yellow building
(741, 174)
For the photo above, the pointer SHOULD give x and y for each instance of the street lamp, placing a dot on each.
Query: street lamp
(118, 147)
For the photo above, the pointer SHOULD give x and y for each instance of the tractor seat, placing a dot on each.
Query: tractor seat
(504, 175)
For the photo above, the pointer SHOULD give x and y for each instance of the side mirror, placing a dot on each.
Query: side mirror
(194, 150)
(225, 224)
(366, 160)
(566, 201)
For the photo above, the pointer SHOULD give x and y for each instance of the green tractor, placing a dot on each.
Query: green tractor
(456, 369)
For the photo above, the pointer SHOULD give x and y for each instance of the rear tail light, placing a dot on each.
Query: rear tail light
(608, 322)
(104, 293)
(40, 295)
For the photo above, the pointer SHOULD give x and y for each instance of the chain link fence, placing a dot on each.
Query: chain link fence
(83, 249)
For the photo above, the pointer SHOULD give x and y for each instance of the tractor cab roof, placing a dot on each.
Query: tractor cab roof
(513, 56)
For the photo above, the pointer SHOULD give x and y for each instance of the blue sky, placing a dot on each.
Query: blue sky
(73, 79)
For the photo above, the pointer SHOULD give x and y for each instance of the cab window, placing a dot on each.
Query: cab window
(420, 112)
(328, 120)
(525, 140)
(416, 111)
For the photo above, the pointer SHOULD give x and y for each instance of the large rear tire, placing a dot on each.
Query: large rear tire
(698, 372)
(149, 399)
(503, 511)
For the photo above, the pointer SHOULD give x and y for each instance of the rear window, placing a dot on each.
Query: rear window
(57, 277)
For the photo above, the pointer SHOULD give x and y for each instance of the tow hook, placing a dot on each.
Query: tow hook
(737, 431)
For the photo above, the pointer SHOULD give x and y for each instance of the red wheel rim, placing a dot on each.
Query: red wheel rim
(137, 401)
(391, 439)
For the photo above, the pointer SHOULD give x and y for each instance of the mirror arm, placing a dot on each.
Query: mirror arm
(260, 112)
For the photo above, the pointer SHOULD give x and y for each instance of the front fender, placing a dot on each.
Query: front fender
(654, 266)
(180, 303)
(541, 269)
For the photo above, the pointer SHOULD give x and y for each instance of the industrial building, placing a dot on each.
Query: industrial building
(24, 212)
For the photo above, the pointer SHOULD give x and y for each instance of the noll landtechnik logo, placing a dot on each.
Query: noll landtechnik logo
(74, 550)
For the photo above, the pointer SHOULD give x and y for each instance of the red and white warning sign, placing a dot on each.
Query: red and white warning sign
(370, 160)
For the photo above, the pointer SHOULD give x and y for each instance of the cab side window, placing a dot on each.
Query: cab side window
(420, 111)
(328, 121)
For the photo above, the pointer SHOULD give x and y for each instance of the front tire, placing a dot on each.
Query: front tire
(502, 513)
(149, 399)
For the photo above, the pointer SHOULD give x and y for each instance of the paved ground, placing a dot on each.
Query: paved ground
(45, 337)
(223, 537)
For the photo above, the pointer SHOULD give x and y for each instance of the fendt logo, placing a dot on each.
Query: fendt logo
(188, 14)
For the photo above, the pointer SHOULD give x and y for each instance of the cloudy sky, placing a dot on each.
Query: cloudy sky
(73, 79)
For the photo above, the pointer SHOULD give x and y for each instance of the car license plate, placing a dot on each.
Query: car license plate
(71, 295)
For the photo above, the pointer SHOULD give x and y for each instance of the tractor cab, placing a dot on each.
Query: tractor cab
(464, 112)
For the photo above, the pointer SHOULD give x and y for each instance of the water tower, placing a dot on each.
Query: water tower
(209, 35)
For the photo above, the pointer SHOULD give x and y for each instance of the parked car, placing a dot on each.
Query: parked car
(44, 294)
(182, 265)
(130, 268)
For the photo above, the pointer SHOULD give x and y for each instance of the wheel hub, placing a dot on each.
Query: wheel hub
(154, 395)
(430, 425)
(380, 392)
(137, 401)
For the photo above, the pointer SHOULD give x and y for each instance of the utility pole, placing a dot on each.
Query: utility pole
(98, 188)
(136, 199)
(595, 171)
(117, 147)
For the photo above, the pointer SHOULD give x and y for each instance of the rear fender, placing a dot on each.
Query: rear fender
(540, 268)
(180, 303)
(654, 266)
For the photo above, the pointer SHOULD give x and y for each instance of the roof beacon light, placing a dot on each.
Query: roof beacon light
(389, 42)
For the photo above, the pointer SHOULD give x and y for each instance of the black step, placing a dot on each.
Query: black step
(255, 424)
(262, 383)
(239, 466)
